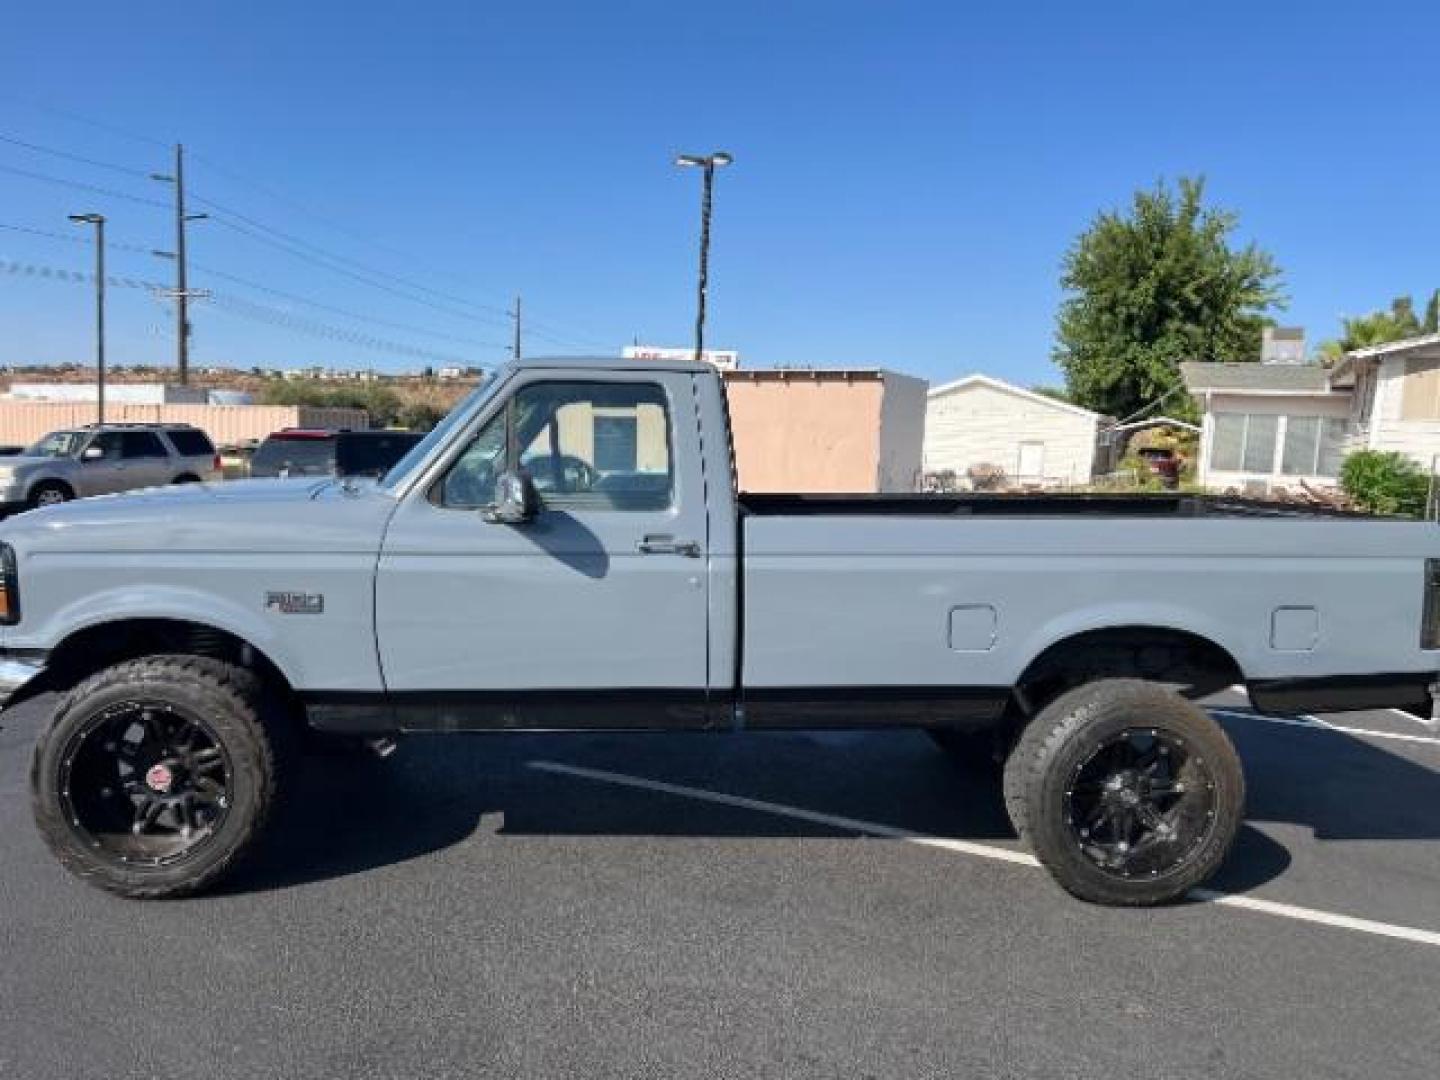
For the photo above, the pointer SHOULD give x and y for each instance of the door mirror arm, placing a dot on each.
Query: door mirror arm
(516, 500)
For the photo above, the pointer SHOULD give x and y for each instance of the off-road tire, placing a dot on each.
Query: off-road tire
(229, 700)
(1064, 733)
(53, 487)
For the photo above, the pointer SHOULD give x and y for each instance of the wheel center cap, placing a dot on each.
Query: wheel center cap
(160, 777)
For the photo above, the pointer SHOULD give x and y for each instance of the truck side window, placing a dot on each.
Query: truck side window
(595, 446)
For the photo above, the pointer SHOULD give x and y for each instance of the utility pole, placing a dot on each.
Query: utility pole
(181, 292)
(98, 220)
(515, 349)
(708, 162)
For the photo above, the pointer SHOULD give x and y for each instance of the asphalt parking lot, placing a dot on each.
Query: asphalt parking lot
(746, 906)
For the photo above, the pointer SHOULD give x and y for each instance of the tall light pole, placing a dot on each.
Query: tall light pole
(181, 292)
(98, 220)
(708, 162)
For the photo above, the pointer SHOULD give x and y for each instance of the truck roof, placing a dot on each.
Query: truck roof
(613, 363)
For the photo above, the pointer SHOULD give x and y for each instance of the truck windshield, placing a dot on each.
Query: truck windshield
(59, 444)
(421, 450)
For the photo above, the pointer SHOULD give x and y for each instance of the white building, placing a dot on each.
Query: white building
(118, 393)
(1035, 439)
(1278, 424)
(724, 359)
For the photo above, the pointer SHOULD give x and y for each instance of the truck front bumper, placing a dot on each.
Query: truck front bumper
(17, 671)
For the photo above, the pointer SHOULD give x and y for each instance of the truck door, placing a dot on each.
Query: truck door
(592, 614)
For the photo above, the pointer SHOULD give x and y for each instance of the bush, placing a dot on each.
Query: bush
(1385, 482)
(382, 403)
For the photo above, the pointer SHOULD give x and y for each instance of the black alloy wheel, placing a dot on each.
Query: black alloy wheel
(1141, 804)
(145, 783)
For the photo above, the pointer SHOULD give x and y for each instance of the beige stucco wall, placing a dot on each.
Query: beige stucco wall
(25, 422)
(803, 433)
(981, 424)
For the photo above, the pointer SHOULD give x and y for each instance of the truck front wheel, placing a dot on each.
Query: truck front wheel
(1126, 792)
(155, 776)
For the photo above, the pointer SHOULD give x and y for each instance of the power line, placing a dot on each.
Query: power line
(78, 185)
(540, 328)
(111, 128)
(234, 279)
(240, 308)
(263, 313)
(323, 253)
(74, 157)
(269, 289)
(73, 239)
(76, 277)
(363, 279)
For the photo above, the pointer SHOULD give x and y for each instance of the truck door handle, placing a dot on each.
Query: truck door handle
(665, 544)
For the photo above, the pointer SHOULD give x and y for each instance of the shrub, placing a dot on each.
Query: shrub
(1385, 482)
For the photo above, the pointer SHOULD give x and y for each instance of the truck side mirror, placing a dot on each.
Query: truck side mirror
(92, 453)
(516, 500)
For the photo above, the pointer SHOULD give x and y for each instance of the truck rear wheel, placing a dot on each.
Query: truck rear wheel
(155, 776)
(1126, 792)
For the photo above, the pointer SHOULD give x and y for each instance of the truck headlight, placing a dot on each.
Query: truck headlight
(9, 587)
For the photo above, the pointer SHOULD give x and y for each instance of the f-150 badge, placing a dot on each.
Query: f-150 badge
(295, 603)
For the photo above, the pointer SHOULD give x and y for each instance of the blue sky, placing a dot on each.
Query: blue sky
(907, 175)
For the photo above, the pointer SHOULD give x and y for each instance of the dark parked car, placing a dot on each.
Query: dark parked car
(1164, 462)
(322, 452)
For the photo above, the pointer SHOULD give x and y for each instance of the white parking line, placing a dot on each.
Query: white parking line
(1314, 723)
(983, 851)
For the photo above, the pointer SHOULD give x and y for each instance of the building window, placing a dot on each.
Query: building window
(1244, 442)
(1227, 443)
(1421, 397)
(1314, 446)
(1260, 434)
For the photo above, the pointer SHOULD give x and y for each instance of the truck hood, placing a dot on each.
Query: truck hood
(253, 516)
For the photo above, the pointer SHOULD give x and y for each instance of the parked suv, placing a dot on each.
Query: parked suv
(102, 459)
(326, 452)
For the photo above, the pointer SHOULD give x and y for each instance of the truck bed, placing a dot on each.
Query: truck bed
(997, 504)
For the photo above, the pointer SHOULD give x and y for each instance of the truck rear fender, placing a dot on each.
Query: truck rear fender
(1147, 641)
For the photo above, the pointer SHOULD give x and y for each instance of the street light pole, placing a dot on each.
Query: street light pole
(709, 163)
(98, 220)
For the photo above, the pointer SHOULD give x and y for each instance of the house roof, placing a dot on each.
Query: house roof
(1010, 388)
(1243, 378)
(1344, 368)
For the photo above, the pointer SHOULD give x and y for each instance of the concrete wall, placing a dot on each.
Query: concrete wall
(980, 423)
(25, 422)
(902, 432)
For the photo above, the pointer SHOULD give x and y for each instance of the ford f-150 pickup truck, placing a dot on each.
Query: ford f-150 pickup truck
(567, 550)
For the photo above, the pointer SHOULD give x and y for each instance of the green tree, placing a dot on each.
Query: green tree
(1153, 287)
(1380, 327)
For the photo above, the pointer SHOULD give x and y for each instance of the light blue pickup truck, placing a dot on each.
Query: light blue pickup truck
(567, 551)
